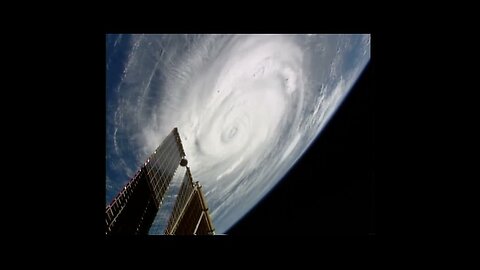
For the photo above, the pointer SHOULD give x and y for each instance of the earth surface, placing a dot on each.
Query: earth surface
(246, 106)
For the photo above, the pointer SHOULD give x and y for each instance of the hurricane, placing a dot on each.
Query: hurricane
(246, 106)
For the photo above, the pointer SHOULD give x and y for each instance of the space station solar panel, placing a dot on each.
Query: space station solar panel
(163, 163)
(136, 206)
(190, 213)
(184, 194)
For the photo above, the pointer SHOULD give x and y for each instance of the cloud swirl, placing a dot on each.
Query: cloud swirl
(246, 106)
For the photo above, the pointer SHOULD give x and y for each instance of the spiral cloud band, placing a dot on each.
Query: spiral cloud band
(246, 106)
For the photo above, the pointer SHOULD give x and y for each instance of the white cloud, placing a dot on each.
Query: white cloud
(243, 102)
